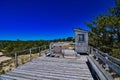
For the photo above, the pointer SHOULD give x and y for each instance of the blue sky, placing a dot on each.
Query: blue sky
(47, 19)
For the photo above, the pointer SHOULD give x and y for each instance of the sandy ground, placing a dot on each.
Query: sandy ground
(3, 58)
(1, 53)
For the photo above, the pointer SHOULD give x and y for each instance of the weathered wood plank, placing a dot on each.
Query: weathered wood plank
(53, 69)
(103, 75)
(7, 77)
(109, 57)
(31, 73)
(59, 72)
(116, 61)
(58, 65)
(113, 66)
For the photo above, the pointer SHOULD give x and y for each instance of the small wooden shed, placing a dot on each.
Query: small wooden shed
(81, 41)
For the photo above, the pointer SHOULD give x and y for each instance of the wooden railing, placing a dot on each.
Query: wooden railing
(29, 54)
(108, 66)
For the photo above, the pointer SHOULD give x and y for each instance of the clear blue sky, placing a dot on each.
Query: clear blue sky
(47, 19)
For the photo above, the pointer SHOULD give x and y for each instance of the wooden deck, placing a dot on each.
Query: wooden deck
(47, 68)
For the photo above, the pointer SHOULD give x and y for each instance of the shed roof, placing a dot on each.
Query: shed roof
(79, 30)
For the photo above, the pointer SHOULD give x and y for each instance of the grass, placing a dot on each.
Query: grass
(8, 65)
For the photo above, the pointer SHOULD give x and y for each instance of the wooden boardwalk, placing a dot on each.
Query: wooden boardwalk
(47, 68)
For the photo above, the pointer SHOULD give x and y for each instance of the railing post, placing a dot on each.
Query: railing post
(96, 52)
(91, 50)
(16, 60)
(39, 54)
(50, 47)
(106, 65)
(30, 55)
(63, 53)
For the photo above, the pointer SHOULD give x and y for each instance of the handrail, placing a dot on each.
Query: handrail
(110, 61)
(110, 57)
(101, 73)
(20, 51)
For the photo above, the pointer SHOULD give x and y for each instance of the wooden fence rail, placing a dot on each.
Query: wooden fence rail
(116, 61)
(98, 71)
(31, 50)
(110, 62)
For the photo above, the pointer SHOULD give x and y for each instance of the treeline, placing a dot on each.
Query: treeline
(7, 46)
(105, 31)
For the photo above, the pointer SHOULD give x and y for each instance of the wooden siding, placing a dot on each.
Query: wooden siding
(81, 46)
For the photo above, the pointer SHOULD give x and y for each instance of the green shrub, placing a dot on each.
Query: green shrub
(105, 49)
(0, 67)
(116, 53)
(2, 72)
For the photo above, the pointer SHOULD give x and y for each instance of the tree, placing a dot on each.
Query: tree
(105, 30)
(69, 39)
(115, 11)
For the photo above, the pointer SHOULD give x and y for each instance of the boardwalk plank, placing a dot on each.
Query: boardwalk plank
(46, 68)
(49, 75)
